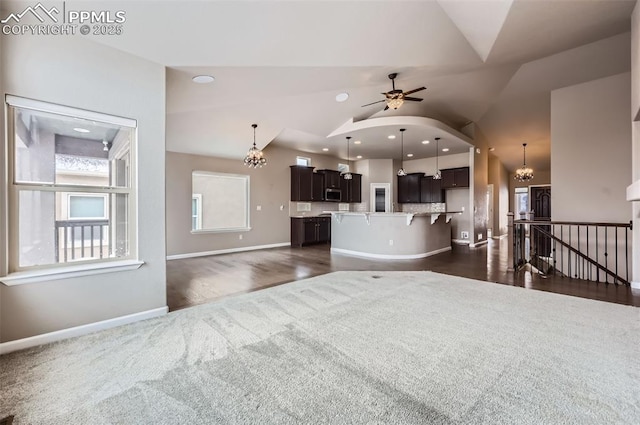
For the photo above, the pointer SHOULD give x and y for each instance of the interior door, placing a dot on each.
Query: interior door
(541, 206)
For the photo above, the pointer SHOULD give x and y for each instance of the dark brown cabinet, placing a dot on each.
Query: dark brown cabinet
(331, 178)
(431, 190)
(301, 183)
(317, 191)
(409, 188)
(455, 177)
(309, 230)
(351, 189)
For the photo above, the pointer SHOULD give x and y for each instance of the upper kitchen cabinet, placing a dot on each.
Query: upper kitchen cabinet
(431, 190)
(455, 177)
(317, 191)
(351, 189)
(331, 178)
(301, 183)
(409, 188)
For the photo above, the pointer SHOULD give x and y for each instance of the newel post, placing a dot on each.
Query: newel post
(511, 235)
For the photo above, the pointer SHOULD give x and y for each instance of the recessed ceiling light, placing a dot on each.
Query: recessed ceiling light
(445, 149)
(325, 149)
(391, 136)
(359, 157)
(409, 155)
(341, 97)
(202, 79)
(357, 142)
(425, 142)
(81, 130)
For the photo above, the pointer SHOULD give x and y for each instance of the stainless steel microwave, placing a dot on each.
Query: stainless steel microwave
(333, 195)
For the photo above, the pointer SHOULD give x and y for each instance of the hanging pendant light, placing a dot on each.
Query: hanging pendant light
(401, 172)
(524, 173)
(255, 158)
(347, 175)
(438, 174)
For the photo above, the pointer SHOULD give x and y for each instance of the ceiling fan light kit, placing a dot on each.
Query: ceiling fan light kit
(395, 98)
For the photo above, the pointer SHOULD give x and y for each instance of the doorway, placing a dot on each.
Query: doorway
(540, 198)
(380, 196)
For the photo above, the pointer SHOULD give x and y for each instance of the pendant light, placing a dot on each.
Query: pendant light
(255, 158)
(401, 172)
(347, 175)
(524, 173)
(438, 174)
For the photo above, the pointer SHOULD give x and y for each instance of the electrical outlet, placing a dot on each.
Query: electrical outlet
(281, 207)
(465, 235)
(479, 236)
(390, 242)
(240, 237)
(259, 207)
(462, 209)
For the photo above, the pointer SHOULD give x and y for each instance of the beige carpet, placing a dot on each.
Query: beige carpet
(348, 347)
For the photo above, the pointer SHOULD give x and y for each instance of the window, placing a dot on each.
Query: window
(196, 211)
(223, 202)
(301, 160)
(521, 200)
(71, 186)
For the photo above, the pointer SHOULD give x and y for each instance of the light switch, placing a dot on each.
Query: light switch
(259, 208)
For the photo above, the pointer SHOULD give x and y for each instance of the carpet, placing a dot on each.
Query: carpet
(347, 347)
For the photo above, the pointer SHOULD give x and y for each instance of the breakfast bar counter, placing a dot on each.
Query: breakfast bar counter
(391, 236)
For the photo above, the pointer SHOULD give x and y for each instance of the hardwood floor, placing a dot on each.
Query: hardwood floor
(203, 279)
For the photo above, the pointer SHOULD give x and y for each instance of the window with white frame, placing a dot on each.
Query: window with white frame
(196, 211)
(301, 160)
(223, 204)
(71, 186)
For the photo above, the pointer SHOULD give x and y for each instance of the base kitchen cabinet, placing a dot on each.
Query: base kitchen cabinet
(309, 230)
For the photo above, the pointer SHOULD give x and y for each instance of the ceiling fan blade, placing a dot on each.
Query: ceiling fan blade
(373, 103)
(415, 99)
(414, 90)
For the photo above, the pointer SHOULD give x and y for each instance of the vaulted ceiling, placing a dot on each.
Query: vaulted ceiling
(280, 64)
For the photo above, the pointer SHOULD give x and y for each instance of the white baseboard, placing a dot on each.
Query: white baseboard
(388, 256)
(475, 245)
(635, 285)
(460, 241)
(21, 344)
(226, 251)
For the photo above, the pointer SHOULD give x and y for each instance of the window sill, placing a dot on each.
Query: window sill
(235, 229)
(32, 276)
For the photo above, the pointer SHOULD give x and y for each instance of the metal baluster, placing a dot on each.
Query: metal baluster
(606, 254)
(569, 254)
(555, 258)
(597, 257)
(617, 248)
(590, 266)
(562, 249)
(626, 250)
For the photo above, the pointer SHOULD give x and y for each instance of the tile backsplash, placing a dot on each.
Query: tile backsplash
(424, 208)
(315, 208)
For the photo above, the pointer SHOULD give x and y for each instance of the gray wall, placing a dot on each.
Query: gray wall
(499, 178)
(269, 189)
(76, 72)
(591, 150)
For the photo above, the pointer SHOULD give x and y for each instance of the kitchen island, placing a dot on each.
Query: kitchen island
(394, 236)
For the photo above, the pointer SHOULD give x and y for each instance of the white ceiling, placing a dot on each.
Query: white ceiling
(280, 64)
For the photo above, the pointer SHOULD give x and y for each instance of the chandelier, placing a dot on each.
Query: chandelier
(347, 175)
(524, 173)
(395, 102)
(438, 174)
(401, 172)
(255, 158)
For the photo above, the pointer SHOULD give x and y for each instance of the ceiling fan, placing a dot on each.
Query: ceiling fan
(396, 97)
